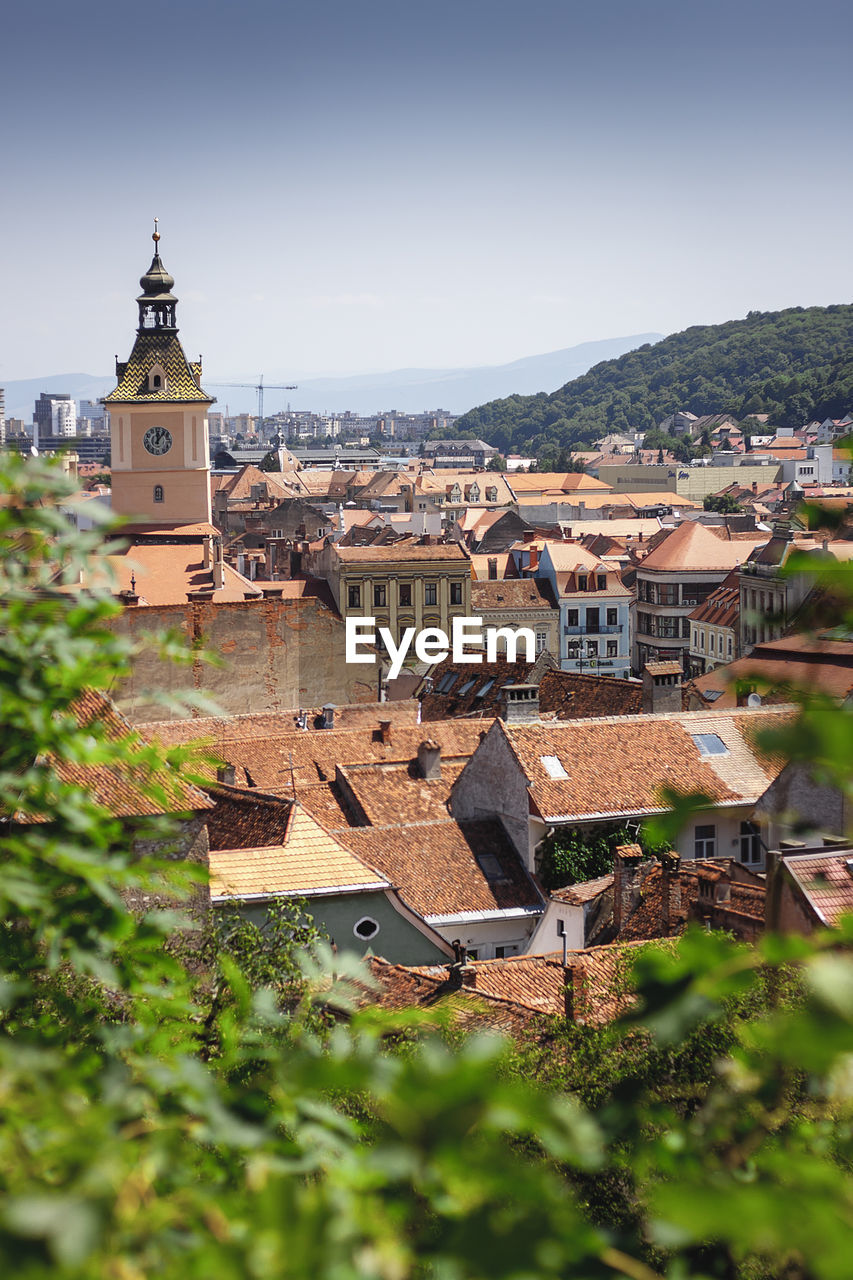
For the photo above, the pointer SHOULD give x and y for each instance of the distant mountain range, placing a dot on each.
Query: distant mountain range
(407, 390)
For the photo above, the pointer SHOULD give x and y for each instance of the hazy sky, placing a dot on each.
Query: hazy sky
(355, 185)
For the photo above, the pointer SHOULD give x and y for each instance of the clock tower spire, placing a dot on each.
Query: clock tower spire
(158, 416)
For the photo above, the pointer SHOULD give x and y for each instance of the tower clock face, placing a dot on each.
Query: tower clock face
(157, 440)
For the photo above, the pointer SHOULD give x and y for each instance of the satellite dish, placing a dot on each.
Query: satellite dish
(754, 700)
(34, 451)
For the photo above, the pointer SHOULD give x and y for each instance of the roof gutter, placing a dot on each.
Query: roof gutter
(641, 813)
(330, 891)
(476, 917)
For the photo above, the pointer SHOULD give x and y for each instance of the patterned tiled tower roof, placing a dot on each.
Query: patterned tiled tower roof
(158, 371)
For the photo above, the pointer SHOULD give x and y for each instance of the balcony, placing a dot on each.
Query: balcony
(591, 631)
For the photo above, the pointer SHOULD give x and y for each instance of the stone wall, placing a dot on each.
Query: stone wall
(273, 655)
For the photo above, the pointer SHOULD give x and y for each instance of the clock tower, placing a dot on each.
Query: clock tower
(158, 417)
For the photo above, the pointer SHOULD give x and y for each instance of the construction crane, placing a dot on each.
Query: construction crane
(259, 387)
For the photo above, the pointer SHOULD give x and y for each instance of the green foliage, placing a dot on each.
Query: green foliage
(156, 1126)
(725, 503)
(576, 854)
(270, 461)
(794, 365)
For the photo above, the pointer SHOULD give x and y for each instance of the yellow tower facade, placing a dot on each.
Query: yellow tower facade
(158, 417)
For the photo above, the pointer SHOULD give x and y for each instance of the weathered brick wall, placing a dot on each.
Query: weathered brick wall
(274, 654)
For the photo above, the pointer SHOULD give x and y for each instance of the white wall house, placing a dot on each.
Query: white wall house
(594, 609)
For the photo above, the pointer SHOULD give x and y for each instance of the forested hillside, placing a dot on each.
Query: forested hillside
(795, 365)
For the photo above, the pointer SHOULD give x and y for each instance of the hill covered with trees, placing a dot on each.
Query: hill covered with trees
(794, 365)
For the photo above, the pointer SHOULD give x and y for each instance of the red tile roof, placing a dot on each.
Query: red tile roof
(448, 868)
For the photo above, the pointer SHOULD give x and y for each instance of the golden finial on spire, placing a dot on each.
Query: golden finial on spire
(156, 235)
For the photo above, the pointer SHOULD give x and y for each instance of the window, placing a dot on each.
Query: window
(456, 593)
(447, 682)
(705, 841)
(612, 617)
(750, 842)
(467, 687)
(481, 693)
(593, 621)
(354, 597)
(379, 594)
(405, 593)
(366, 928)
(710, 744)
(601, 582)
(571, 617)
(491, 867)
(592, 648)
(158, 493)
(613, 648)
(553, 768)
(430, 593)
(668, 593)
(541, 640)
(581, 582)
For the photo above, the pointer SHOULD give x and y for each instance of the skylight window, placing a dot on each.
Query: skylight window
(710, 744)
(447, 682)
(467, 686)
(481, 693)
(491, 868)
(553, 768)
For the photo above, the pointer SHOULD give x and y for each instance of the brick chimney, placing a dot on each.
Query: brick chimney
(662, 686)
(226, 773)
(385, 731)
(329, 715)
(429, 760)
(626, 883)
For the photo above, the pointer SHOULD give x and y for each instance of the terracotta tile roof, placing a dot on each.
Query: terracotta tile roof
(578, 894)
(503, 561)
(565, 481)
(617, 766)
(182, 377)
(825, 881)
(468, 689)
(271, 756)
(405, 551)
(307, 861)
(405, 988)
(570, 695)
(385, 792)
(526, 986)
(125, 793)
(165, 575)
(521, 593)
(448, 868)
(564, 695)
(696, 547)
(664, 668)
(276, 484)
(722, 607)
(778, 669)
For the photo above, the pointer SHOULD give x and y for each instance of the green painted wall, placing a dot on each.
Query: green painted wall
(397, 939)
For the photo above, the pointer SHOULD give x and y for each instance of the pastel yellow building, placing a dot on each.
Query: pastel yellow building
(158, 417)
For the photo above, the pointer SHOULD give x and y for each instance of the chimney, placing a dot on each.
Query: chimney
(534, 559)
(385, 731)
(329, 715)
(226, 773)
(429, 760)
(626, 886)
(520, 703)
(670, 890)
(662, 686)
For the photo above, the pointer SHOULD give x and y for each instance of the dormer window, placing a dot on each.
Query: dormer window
(157, 378)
